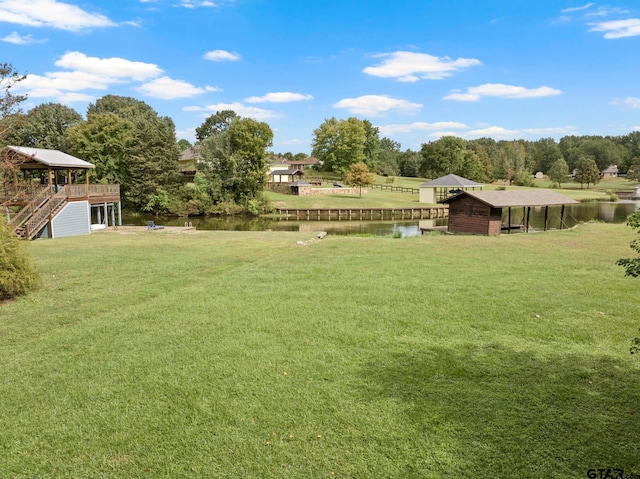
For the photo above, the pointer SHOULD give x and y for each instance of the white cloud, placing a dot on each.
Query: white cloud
(551, 131)
(16, 39)
(629, 102)
(614, 29)
(50, 13)
(221, 56)
(577, 9)
(242, 110)
(111, 68)
(197, 3)
(502, 91)
(376, 105)
(87, 73)
(419, 126)
(212, 88)
(440, 134)
(494, 132)
(278, 97)
(166, 88)
(411, 66)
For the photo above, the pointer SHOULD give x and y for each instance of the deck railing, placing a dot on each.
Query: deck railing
(44, 194)
(45, 213)
(19, 193)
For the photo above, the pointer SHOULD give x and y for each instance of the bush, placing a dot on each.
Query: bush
(523, 178)
(612, 196)
(17, 271)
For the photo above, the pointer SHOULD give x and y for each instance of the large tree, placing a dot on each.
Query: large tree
(46, 126)
(9, 102)
(104, 140)
(559, 172)
(339, 144)
(545, 152)
(219, 122)
(587, 172)
(235, 162)
(442, 157)
(409, 163)
(152, 155)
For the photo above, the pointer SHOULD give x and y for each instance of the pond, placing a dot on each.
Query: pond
(574, 214)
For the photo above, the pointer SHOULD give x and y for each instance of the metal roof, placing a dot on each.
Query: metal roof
(300, 183)
(284, 172)
(449, 181)
(503, 198)
(52, 158)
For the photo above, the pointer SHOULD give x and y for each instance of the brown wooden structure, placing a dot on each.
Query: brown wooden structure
(349, 214)
(42, 182)
(480, 212)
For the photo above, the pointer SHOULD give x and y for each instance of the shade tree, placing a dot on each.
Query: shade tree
(339, 144)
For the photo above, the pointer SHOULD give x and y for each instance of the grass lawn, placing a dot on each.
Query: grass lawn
(245, 355)
(372, 199)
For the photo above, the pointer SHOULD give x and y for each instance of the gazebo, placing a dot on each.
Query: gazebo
(441, 188)
(480, 212)
(50, 193)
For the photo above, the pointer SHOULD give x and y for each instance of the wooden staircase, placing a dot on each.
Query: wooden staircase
(40, 210)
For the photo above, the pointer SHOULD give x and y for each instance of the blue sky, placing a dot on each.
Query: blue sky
(417, 69)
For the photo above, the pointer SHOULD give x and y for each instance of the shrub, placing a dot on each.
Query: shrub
(612, 196)
(523, 178)
(17, 271)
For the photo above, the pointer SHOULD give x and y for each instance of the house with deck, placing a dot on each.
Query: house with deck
(48, 194)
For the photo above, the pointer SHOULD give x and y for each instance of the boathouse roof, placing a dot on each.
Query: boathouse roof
(50, 158)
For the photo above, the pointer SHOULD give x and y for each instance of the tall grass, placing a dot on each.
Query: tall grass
(231, 354)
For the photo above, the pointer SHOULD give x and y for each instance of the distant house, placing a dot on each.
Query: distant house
(188, 160)
(480, 212)
(302, 164)
(610, 172)
(444, 187)
(285, 176)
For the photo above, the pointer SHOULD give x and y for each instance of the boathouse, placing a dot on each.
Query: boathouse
(50, 195)
(481, 212)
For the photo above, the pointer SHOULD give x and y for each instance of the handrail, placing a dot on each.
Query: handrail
(45, 213)
(24, 214)
(24, 190)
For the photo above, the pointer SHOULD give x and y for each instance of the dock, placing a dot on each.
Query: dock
(360, 214)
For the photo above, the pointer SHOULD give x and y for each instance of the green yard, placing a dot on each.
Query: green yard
(245, 355)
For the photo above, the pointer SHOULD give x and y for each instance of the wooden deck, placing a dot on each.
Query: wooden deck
(373, 214)
(94, 194)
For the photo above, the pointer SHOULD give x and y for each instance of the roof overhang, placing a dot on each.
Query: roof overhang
(515, 198)
(40, 158)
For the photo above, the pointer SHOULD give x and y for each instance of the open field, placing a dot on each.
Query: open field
(156, 354)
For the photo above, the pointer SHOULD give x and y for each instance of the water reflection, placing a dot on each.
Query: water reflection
(574, 214)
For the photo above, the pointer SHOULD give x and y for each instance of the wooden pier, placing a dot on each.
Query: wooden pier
(359, 214)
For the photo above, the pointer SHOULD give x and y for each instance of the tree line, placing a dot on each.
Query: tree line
(341, 143)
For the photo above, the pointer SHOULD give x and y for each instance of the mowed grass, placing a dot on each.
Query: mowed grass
(246, 355)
